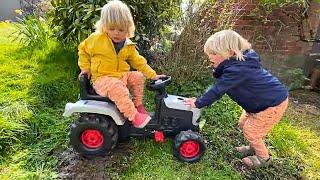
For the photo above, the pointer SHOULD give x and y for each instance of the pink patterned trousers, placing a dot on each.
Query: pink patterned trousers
(117, 90)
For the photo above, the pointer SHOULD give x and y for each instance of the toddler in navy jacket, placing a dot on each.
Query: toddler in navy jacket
(239, 74)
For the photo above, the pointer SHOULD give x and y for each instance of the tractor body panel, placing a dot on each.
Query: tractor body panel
(177, 102)
(95, 107)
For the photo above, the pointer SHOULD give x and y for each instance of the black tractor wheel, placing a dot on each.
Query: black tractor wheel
(189, 146)
(93, 135)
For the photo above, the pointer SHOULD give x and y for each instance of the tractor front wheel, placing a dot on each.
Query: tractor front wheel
(189, 146)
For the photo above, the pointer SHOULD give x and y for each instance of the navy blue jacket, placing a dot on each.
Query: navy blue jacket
(247, 83)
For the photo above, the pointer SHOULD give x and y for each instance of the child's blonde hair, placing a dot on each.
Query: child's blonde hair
(116, 14)
(226, 42)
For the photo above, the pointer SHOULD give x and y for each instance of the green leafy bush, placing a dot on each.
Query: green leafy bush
(73, 21)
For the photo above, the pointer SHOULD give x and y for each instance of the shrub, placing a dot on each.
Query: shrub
(73, 21)
(187, 60)
(293, 78)
(40, 7)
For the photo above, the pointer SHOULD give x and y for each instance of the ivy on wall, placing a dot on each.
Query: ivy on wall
(306, 30)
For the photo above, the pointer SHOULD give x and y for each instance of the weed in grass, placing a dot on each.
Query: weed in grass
(14, 117)
(32, 32)
(15, 168)
(17, 111)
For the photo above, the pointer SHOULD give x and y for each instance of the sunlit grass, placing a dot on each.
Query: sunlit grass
(300, 142)
(32, 82)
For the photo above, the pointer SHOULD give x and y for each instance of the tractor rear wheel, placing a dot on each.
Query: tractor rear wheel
(93, 135)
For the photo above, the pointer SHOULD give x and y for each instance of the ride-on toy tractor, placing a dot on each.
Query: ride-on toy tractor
(101, 125)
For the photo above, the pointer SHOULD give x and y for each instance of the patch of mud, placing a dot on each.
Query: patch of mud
(305, 97)
(304, 109)
(73, 166)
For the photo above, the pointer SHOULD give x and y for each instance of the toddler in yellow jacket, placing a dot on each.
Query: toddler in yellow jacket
(107, 56)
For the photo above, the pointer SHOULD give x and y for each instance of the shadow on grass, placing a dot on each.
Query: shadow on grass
(55, 82)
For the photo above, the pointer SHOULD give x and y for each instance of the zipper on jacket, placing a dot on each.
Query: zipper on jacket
(118, 63)
(119, 54)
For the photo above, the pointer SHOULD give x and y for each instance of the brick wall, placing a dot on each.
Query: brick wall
(276, 39)
(279, 31)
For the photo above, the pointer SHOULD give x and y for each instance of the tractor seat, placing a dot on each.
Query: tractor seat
(88, 93)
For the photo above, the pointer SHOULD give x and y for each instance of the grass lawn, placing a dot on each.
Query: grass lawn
(36, 84)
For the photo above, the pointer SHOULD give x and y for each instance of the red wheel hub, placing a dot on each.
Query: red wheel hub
(92, 138)
(190, 149)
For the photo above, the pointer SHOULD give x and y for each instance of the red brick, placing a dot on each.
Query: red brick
(291, 43)
(283, 52)
(245, 22)
(292, 8)
(294, 48)
(249, 7)
(247, 17)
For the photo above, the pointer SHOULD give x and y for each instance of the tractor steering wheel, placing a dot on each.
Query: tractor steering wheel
(159, 84)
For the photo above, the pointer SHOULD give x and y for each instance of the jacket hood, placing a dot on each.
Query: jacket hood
(252, 59)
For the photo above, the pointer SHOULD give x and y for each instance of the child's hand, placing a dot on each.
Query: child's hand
(191, 102)
(87, 72)
(159, 76)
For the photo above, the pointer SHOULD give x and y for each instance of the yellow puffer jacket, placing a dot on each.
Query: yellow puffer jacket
(97, 54)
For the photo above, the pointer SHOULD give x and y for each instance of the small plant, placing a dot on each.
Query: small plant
(294, 78)
(32, 31)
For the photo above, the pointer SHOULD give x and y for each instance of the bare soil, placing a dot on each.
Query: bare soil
(74, 166)
(304, 109)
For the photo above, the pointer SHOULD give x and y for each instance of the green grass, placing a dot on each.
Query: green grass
(161, 164)
(36, 84)
(299, 140)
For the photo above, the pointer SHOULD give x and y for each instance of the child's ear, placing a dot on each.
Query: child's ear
(231, 53)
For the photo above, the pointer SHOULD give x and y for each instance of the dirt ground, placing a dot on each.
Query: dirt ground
(305, 97)
(73, 166)
(303, 104)
(304, 109)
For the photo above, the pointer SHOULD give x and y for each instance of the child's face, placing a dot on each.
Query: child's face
(117, 34)
(215, 59)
